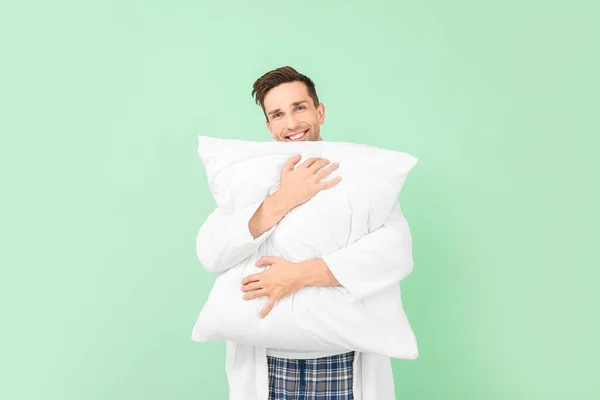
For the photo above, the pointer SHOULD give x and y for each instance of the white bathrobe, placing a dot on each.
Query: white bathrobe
(377, 260)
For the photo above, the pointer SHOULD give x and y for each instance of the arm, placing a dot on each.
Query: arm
(379, 259)
(225, 240)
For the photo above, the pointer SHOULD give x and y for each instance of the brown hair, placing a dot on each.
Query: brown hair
(276, 77)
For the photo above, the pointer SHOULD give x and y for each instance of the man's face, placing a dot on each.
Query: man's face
(291, 110)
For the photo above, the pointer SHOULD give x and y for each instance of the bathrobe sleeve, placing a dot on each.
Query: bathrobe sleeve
(224, 240)
(377, 260)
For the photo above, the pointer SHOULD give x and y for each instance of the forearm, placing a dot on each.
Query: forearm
(226, 239)
(377, 260)
(316, 273)
(268, 214)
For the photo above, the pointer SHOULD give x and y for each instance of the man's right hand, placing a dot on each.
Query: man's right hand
(300, 184)
(297, 186)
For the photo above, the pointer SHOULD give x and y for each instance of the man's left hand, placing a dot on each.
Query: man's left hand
(282, 279)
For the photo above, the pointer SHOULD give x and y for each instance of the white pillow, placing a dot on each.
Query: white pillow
(241, 173)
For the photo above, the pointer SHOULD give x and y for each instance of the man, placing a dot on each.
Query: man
(293, 113)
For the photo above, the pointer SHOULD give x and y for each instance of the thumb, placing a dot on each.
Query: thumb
(289, 164)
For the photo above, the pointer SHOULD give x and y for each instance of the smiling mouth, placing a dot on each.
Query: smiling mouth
(297, 135)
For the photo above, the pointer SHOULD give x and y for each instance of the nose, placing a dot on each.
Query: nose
(292, 124)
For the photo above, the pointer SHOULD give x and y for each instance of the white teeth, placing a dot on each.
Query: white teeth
(297, 136)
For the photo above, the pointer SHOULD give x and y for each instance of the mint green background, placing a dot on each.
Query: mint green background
(103, 191)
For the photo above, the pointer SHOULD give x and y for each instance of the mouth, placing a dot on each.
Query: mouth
(297, 136)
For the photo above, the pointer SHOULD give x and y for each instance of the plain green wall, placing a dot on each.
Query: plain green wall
(103, 191)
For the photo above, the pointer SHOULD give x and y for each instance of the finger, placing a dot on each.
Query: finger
(267, 309)
(252, 286)
(251, 278)
(331, 183)
(310, 161)
(318, 164)
(289, 164)
(266, 260)
(326, 171)
(256, 294)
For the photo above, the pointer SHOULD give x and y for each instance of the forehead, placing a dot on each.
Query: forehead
(283, 95)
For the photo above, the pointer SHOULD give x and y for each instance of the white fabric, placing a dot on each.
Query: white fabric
(241, 173)
(368, 262)
(303, 354)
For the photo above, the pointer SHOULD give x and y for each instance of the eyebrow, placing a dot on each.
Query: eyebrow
(293, 104)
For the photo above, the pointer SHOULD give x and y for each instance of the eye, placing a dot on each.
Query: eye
(301, 107)
(275, 115)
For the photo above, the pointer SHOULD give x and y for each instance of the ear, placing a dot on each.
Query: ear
(269, 128)
(321, 113)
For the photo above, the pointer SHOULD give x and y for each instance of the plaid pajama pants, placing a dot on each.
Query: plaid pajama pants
(325, 378)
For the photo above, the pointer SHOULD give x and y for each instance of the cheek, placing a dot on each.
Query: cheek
(277, 128)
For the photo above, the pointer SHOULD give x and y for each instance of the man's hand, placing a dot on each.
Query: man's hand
(282, 279)
(298, 185)
(285, 278)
